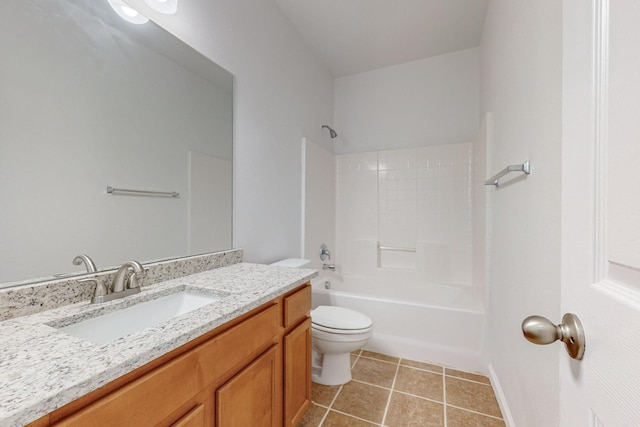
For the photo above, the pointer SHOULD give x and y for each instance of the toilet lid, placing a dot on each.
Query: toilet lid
(339, 318)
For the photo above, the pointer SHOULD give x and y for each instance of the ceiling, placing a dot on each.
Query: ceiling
(354, 36)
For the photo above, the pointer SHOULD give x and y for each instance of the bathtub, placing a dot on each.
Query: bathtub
(442, 324)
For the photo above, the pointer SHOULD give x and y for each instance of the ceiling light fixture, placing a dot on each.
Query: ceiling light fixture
(168, 7)
(127, 13)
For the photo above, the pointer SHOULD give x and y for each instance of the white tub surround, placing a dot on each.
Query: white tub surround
(42, 368)
(406, 212)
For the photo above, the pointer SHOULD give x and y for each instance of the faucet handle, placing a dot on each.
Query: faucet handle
(100, 291)
(132, 281)
(135, 280)
(324, 252)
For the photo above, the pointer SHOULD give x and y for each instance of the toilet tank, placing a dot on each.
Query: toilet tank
(293, 262)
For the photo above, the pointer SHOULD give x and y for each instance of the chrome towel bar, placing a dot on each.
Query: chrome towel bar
(494, 180)
(394, 248)
(112, 190)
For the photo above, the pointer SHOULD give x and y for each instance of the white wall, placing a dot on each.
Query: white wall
(425, 102)
(280, 95)
(522, 87)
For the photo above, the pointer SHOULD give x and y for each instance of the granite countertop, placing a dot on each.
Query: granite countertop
(42, 368)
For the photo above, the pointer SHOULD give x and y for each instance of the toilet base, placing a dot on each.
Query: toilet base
(331, 369)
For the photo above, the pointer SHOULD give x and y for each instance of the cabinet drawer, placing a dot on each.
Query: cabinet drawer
(234, 348)
(145, 401)
(297, 306)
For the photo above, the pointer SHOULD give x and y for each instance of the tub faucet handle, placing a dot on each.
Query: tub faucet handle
(325, 253)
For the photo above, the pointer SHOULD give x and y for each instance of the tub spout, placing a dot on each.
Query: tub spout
(331, 267)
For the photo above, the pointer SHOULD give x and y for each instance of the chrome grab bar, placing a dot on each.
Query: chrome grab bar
(112, 190)
(525, 167)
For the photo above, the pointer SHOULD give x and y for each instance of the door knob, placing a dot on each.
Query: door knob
(540, 330)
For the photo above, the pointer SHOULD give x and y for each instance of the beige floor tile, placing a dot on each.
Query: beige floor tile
(335, 419)
(471, 395)
(410, 411)
(362, 400)
(323, 394)
(416, 398)
(467, 376)
(461, 418)
(313, 416)
(421, 383)
(421, 365)
(353, 359)
(379, 356)
(374, 372)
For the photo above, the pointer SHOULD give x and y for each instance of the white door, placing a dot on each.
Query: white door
(601, 210)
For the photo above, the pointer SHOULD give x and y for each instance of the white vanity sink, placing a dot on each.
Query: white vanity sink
(108, 327)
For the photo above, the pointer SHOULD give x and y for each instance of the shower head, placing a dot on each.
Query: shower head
(332, 132)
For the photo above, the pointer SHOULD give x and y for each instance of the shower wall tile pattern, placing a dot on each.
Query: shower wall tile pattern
(356, 211)
(417, 198)
(397, 197)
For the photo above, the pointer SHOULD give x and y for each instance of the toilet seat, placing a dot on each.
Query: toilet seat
(340, 320)
(340, 331)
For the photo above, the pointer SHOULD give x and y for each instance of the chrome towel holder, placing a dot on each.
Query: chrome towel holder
(495, 180)
(112, 190)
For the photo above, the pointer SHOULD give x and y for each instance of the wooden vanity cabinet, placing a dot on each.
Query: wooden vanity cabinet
(253, 371)
(297, 355)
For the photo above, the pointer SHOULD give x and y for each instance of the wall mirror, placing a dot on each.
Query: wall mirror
(88, 101)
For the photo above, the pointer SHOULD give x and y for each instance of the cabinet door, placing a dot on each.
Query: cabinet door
(195, 418)
(297, 380)
(252, 397)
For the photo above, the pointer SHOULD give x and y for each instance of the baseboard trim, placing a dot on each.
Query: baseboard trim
(502, 400)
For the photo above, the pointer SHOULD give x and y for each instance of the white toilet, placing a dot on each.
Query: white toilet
(335, 332)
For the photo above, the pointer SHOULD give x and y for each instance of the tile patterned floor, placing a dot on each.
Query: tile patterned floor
(391, 392)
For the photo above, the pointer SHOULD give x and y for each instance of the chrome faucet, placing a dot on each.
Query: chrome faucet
(87, 261)
(122, 284)
(331, 267)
